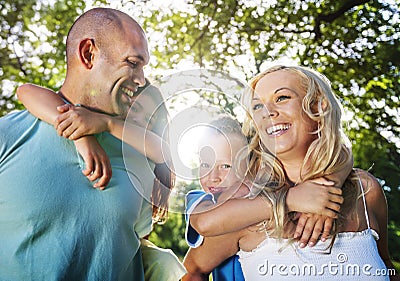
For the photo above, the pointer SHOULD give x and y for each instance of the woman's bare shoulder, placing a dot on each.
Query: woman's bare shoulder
(373, 190)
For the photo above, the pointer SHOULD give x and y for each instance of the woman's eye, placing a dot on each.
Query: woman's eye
(282, 98)
(257, 106)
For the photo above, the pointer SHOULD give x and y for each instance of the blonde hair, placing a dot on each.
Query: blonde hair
(326, 155)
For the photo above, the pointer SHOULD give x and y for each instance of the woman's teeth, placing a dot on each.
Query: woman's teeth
(277, 128)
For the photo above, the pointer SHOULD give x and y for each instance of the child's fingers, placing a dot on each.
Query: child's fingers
(338, 199)
(64, 108)
(331, 213)
(68, 132)
(95, 174)
(62, 126)
(88, 167)
(323, 181)
(78, 133)
(105, 178)
(335, 190)
(334, 207)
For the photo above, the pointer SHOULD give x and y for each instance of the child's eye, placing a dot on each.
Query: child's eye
(204, 165)
(282, 98)
(226, 166)
(134, 108)
(257, 106)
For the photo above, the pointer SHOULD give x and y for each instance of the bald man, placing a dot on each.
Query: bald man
(53, 224)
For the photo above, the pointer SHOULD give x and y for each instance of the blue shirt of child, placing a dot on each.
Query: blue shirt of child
(230, 269)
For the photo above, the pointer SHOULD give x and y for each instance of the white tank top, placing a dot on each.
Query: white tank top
(354, 256)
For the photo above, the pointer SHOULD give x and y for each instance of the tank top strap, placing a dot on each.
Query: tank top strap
(364, 201)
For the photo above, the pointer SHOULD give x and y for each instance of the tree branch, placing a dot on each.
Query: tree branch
(329, 18)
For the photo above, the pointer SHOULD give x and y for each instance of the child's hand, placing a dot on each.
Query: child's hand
(97, 163)
(312, 227)
(317, 196)
(75, 122)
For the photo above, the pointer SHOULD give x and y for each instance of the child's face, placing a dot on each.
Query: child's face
(141, 112)
(217, 160)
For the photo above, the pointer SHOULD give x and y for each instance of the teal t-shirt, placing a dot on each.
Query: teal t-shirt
(53, 224)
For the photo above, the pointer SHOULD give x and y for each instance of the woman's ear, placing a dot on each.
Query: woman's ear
(87, 51)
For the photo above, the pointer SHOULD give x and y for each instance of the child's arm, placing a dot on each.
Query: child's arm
(79, 121)
(215, 220)
(200, 261)
(43, 103)
(39, 101)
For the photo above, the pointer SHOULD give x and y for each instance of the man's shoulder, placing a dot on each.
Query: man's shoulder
(15, 125)
(15, 118)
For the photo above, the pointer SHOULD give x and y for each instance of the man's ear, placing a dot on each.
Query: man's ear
(87, 51)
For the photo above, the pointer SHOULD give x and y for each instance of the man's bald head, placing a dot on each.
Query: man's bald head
(103, 25)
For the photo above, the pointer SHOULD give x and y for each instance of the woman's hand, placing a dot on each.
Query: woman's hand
(317, 202)
(97, 163)
(75, 122)
(311, 227)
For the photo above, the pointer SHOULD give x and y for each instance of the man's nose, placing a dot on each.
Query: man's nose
(139, 78)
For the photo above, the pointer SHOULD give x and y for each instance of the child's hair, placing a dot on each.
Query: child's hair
(228, 126)
(164, 180)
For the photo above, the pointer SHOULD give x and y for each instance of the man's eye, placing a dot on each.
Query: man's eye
(133, 64)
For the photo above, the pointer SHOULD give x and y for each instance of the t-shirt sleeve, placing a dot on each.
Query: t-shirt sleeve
(193, 199)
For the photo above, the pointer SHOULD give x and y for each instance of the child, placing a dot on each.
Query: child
(143, 134)
(219, 166)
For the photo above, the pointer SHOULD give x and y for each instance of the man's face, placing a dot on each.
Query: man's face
(119, 71)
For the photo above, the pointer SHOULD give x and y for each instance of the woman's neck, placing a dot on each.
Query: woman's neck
(293, 170)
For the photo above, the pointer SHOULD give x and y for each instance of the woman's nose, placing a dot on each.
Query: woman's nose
(269, 111)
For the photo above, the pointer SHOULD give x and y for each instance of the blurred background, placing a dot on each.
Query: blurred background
(355, 43)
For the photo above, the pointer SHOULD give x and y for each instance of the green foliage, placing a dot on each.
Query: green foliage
(354, 43)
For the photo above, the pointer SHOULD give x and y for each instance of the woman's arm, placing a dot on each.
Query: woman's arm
(43, 103)
(79, 121)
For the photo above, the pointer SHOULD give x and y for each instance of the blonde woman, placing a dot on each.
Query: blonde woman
(294, 122)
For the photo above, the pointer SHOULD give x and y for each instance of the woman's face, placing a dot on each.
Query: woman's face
(283, 126)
